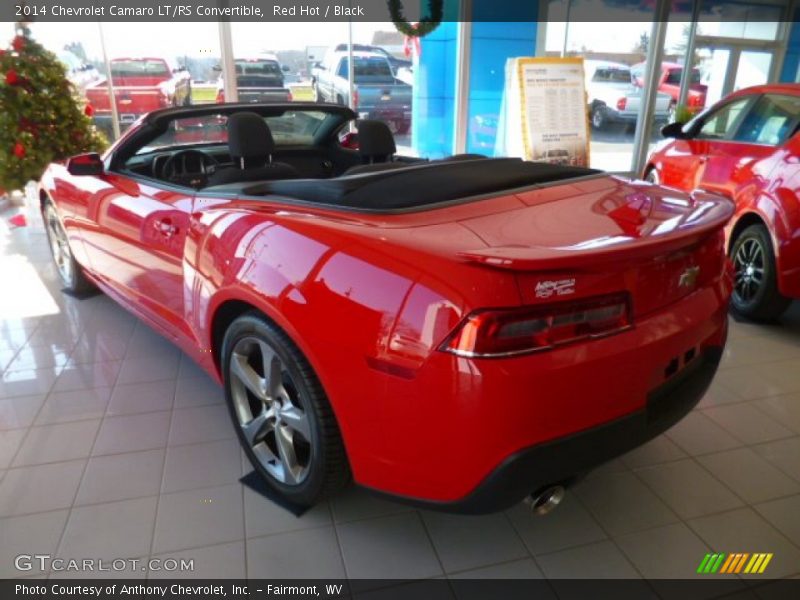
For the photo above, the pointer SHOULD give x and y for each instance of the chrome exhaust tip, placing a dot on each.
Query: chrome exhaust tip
(545, 500)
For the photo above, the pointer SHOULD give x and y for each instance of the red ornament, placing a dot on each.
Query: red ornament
(88, 110)
(19, 150)
(11, 77)
(19, 43)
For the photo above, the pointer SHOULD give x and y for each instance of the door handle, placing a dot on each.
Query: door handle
(165, 227)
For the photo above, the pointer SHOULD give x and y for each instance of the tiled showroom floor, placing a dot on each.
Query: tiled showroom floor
(114, 445)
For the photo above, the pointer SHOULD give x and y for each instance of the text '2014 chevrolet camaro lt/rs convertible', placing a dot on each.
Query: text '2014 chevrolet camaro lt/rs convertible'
(459, 333)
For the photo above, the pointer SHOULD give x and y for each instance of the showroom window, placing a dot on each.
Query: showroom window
(313, 65)
(614, 74)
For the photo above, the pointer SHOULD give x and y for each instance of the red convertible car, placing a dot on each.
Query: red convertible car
(459, 333)
(747, 147)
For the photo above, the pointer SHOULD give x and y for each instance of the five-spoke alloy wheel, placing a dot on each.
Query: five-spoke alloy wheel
(69, 270)
(282, 416)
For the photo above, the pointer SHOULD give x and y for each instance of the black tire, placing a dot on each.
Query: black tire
(340, 100)
(321, 459)
(652, 176)
(599, 120)
(69, 271)
(755, 289)
(318, 95)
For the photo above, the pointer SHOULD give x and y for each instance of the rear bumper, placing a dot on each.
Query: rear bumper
(561, 460)
(616, 116)
(385, 114)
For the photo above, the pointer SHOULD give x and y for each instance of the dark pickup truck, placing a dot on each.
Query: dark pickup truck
(258, 79)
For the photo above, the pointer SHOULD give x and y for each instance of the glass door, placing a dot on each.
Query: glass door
(753, 68)
(730, 67)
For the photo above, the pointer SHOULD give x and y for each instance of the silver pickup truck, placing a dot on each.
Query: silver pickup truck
(613, 97)
(378, 94)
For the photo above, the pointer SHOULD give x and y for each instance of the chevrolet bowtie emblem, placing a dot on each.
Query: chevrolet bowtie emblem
(689, 277)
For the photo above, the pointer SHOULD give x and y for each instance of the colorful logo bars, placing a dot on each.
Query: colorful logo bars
(739, 562)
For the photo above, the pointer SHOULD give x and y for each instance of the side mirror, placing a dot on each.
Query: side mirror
(319, 65)
(673, 130)
(85, 164)
(216, 68)
(285, 68)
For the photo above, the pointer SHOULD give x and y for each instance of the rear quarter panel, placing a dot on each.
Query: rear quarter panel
(365, 310)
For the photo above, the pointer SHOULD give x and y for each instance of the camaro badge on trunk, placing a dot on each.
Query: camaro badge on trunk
(689, 277)
(560, 287)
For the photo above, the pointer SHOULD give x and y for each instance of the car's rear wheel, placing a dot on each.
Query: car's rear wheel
(281, 414)
(599, 117)
(70, 272)
(755, 289)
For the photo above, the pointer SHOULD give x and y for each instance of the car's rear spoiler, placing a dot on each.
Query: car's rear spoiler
(710, 213)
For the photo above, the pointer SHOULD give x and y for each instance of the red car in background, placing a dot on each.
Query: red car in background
(669, 82)
(459, 333)
(141, 85)
(747, 147)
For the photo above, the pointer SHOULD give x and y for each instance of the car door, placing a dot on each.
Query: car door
(135, 241)
(686, 159)
(767, 124)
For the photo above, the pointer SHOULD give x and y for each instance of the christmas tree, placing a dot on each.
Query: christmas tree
(42, 119)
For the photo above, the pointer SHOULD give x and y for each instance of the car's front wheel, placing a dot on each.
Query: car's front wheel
(281, 414)
(755, 290)
(69, 270)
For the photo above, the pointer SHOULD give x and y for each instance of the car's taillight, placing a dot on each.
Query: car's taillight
(290, 97)
(509, 332)
(622, 103)
(697, 100)
(164, 100)
(220, 96)
(355, 98)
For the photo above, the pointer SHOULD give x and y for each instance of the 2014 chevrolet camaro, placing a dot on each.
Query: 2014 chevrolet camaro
(458, 333)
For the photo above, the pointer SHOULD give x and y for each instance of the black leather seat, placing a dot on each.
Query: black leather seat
(376, 148)
(251, 146)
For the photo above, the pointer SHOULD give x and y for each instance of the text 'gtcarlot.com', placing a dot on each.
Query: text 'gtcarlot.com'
(45, 562)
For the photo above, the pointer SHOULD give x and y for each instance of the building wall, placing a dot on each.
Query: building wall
(492, 44)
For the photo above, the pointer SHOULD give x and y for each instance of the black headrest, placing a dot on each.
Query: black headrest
(375, 139)
(249, 136)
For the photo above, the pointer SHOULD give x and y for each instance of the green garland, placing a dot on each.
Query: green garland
(425, 26)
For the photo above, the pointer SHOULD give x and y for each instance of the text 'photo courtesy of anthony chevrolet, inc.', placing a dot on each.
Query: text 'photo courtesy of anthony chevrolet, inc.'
(200, 589)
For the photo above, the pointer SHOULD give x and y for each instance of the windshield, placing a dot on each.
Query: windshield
(294, 127)
(612, 74)
(139, 68)
(674, 76)
(371, 68)
(257, 67)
